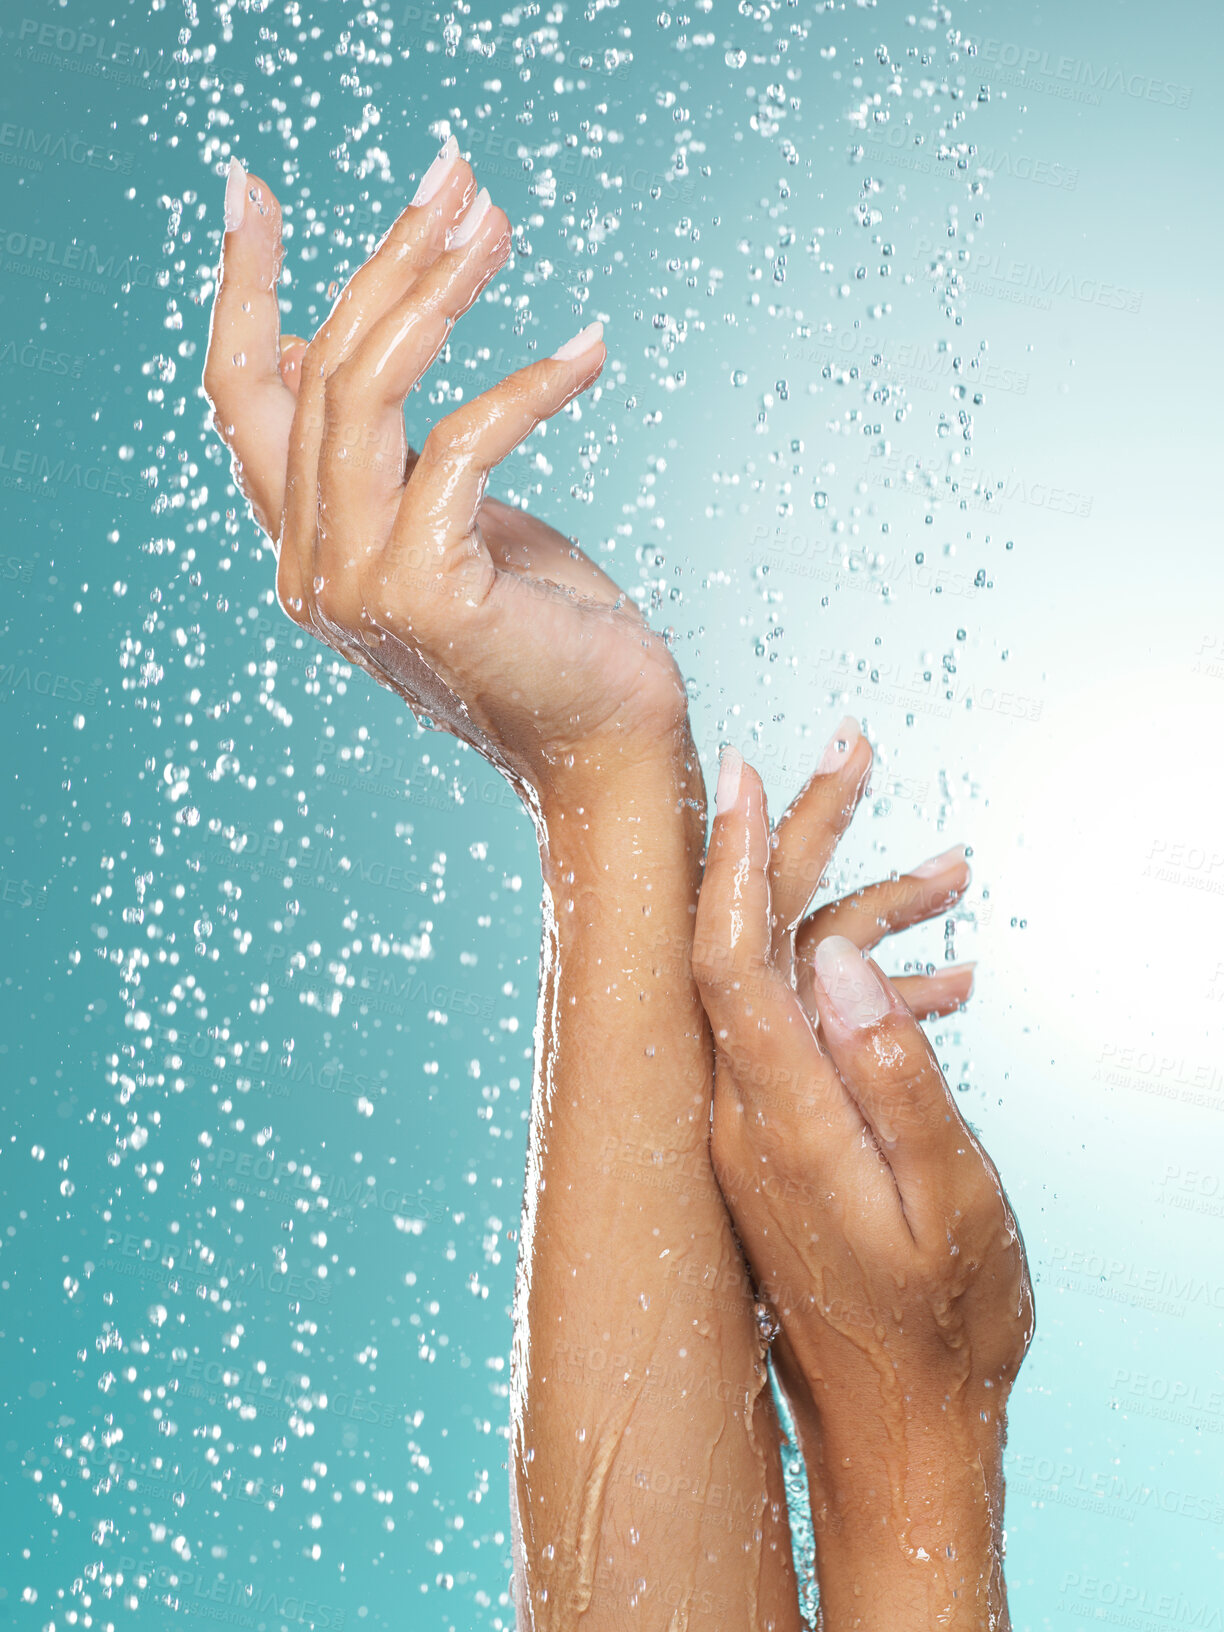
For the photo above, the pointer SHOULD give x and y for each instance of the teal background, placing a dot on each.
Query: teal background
(911, 411)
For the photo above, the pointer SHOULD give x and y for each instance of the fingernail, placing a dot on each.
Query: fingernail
(959, 969)
(470, 225)
(841, 746)
(727, 791)
(437, 173)
(235, 196)
(850, 983)
(582, 341)
(950, 861)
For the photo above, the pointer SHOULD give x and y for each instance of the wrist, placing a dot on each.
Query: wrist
(909, 1523)
(911, 1535)
(597, 774)
(615, 815)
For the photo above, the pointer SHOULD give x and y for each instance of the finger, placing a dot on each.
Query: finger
(731, 935)
(252, 410)
(436, 548)
(870, 914)
(419, 236)
(808, 833)
(760, 1025)
(886, 1063)
(522, 543)
(292, 347)
(519, 542)
(414, 243)
(362, 458)
(929, 997)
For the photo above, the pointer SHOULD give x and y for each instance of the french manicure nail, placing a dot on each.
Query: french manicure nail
(470, 225)
(849, 982)
(840, 747)
(437, 173)
(235, 196)
(582, 341)
(959, 969)
(950, 861)
(727, 791)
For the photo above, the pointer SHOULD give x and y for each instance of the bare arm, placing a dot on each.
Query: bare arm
(874, 1221)
(647, 1480)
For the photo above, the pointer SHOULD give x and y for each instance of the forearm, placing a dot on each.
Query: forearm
(907, 1536)
(879, 1570)
(646, 1459)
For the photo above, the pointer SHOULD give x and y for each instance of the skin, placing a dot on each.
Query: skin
(874, 1223)
(646, 1477)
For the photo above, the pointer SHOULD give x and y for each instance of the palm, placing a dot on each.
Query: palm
(554, 652)
(844, 1160)
(484, 618)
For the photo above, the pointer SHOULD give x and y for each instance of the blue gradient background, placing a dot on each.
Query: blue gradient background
(911, 411)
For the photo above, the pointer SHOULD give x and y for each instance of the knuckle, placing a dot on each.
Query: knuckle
(215, 378)
(382, 604)
(346, 430)
(723, 965)
(902, 1057)
(913, 1112)
(331, 604)
(985, 1207)
(763, 1077)
(289, 594)
(798, 872)
(343, 393)
(294, 609)
(403, 230)
(908, 898)
(452, 439)
(710, 960)
(317, 355)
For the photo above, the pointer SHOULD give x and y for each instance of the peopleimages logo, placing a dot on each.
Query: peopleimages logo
(1114, 1493)
(1077, 79)
(825, 557)
(30, 148)
(1024, 283)
(894, 144)
(16, 679)
(240, 1603)
(81, 51)
(1112, 1599)
(262, 1175)
(969, 487)
(263, 1388)
(32, 472)
(1165, 1076)
(1169, 1399)
(865, 353)
(1164, 1291)
(157, 1263)
(20, 892)
(1193, 866)
(73, 266)
(43, 359)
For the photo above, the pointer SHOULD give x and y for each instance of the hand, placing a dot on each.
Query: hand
(872, 1219)
(489, 623)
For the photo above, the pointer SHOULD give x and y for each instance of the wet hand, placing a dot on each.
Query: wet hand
(490, 623)
(874, 1223)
